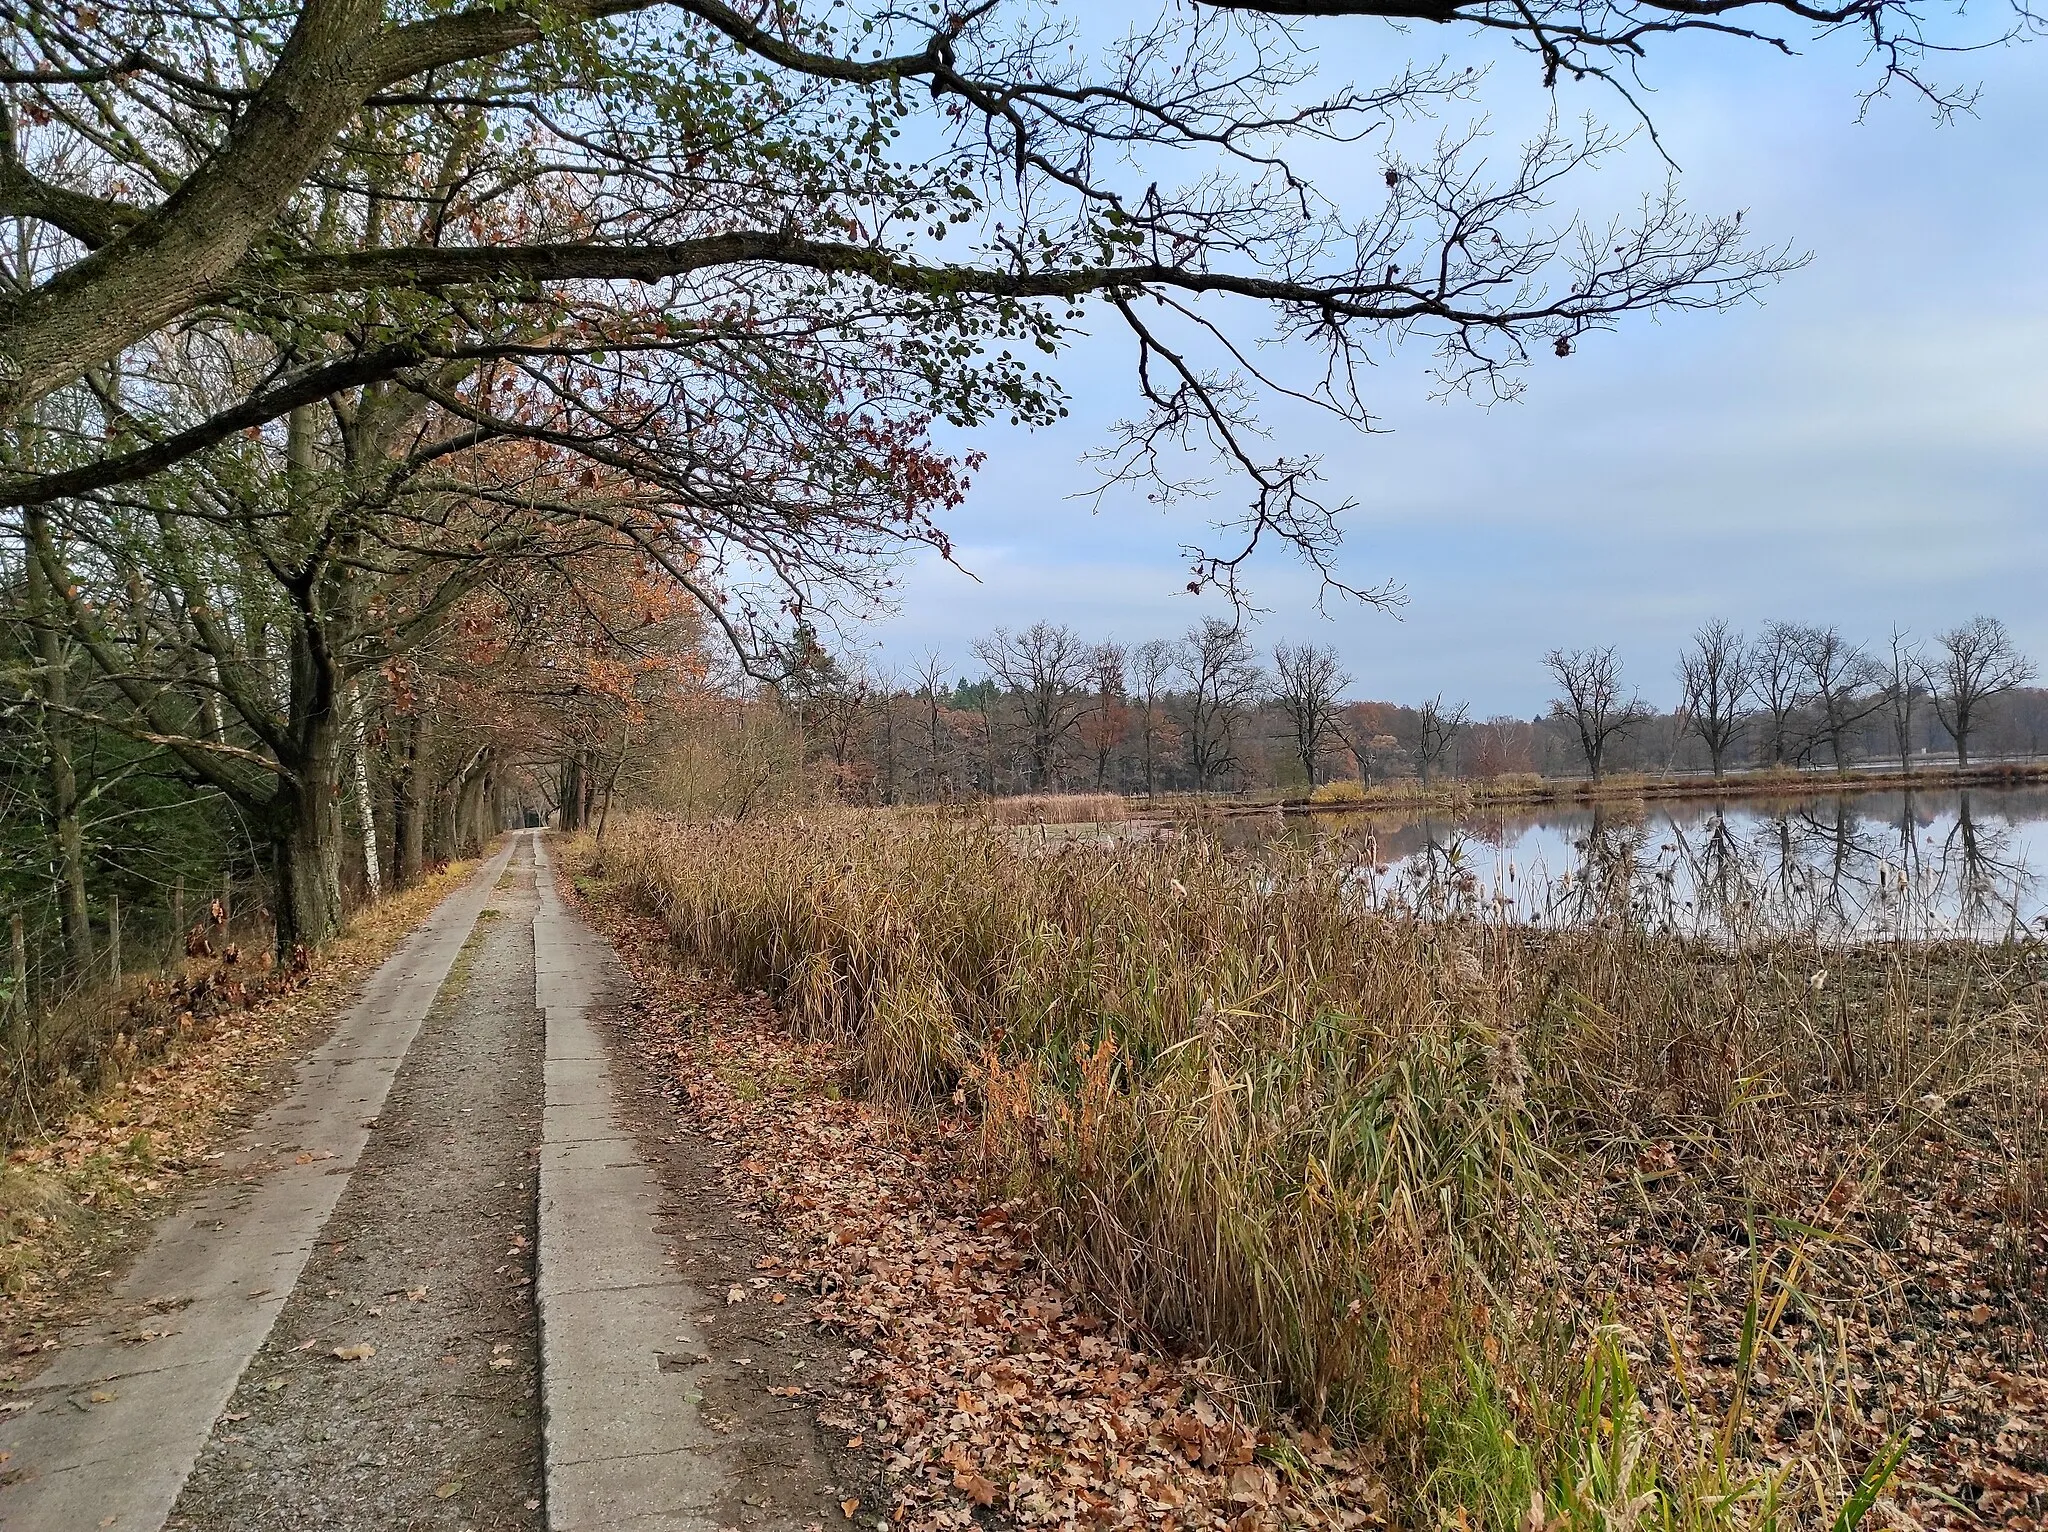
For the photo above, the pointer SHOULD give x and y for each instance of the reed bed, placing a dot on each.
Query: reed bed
(1057, 809)
(1326, 1141)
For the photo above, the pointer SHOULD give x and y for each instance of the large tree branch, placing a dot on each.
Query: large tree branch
(306, 386)
(92, 221)
(1371, 299)
(161, 266)
(1581, 20)
(337, 55)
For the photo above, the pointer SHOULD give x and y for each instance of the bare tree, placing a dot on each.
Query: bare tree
(1777, 679)
(1436, 727)
(1307, 683)
(887, 689)
(1714, 677)
(1046, 668)
(1978, 661)
(1846, 685)
(930, 676)
(1223, 679)
(1905, 688)
(1593, 701)
(1105, 724)
(1151, 663)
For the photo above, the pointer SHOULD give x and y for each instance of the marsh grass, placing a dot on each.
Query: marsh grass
(1323, 1140)
(1057, 809)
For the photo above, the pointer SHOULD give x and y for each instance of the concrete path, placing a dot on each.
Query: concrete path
(110, 1432)
(622, 1362)
(109, 1435)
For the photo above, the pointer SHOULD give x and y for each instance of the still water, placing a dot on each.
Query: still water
(1835, 867)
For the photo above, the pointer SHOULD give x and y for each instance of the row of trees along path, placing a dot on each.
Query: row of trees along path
(373, 374)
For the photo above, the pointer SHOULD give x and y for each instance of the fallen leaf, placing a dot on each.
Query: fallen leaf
(981, 1489)
(360, 1353)
(850, 1506)
(443, 1491)
(734, 1294)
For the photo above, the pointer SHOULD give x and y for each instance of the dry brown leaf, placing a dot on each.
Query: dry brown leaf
(981, 1490)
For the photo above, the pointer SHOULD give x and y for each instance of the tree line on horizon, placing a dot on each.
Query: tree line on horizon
(1045, 709)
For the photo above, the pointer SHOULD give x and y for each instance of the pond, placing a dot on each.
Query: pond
(1836, 867)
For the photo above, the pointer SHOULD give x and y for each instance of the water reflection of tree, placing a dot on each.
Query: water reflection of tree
(1990, 877)
(1834, 868)
(1609, 879)
(1829, 869)
(1717, 873)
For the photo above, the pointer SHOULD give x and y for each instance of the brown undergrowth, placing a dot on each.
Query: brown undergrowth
(185, 1051)
(1588, 1228)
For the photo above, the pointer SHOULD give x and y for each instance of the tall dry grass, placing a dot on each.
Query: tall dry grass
(1057, 809)
(1273, 1122)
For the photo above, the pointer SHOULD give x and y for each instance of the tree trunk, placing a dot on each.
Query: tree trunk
(66, 835)
(305, 843)
(304, 815)
(572, 793)
(413, 801)
(366, 805)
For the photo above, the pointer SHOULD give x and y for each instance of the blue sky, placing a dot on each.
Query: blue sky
(1869, 446)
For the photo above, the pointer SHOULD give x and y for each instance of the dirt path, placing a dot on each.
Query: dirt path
(427, 1262)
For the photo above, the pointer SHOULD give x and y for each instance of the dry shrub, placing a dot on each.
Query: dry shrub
(1224, 1088)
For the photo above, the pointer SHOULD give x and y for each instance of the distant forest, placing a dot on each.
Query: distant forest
(1046, 709)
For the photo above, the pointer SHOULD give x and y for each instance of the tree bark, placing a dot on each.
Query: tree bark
(304, 814)
(366, 803)
(413, 792)
(572, 792)
(306, 854)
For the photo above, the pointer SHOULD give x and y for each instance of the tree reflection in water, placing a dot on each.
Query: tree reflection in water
(1835, 868)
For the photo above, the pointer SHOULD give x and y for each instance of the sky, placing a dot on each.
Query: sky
(1867, 446)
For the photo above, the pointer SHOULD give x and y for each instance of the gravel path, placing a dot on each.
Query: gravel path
(399, 1388)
